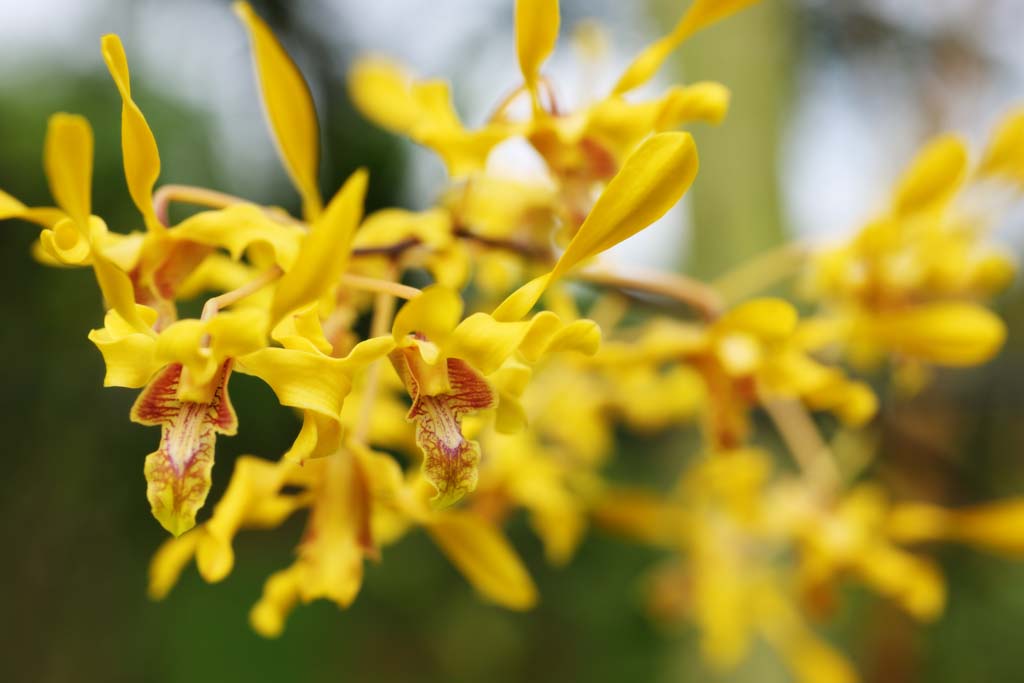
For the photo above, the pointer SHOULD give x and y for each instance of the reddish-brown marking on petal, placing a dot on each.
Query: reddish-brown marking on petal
(449, 459)
(178, 473)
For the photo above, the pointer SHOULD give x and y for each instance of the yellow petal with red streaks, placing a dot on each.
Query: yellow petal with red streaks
(179, 472)
(449, 458)
(138, 146)
(289, 106)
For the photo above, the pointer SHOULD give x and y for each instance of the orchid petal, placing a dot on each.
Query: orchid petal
(485, 557)
(141, 156)
(699, 15)
(67, 157)
(536, 34)
(290, 109)
(323, 256)
(650, 182)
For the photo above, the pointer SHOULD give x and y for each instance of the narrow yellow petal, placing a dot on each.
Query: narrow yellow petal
(67, 157)
(699, 15)
(290, 109)
(138, 146)
(650, 182)
(933, 176)
(10, 207)
(118, 291)
(486, 558)
(536, 34)
(323, 255)
(1004, 156)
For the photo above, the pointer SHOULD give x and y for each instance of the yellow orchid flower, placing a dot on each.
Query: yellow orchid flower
(910, 283)
(444, 364)
(579, 147)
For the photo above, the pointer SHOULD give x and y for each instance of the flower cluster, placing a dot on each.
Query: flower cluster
(491, 381)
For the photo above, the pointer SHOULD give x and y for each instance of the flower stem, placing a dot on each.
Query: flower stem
(686, 290)
(760, 272)
(200, 196)
(214, 305)
(809, 450)
(372, 284)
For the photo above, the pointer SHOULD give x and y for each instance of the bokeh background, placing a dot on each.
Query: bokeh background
(831, 97)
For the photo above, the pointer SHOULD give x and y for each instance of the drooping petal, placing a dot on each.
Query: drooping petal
(700, 14)
(178, 473)
(536, 33)
(933, 176)
(485, 558)
(290, 109)
(449, 458)
(947, 333)
(650, 182)
(323, 256)
(67, 157)
(138, 146)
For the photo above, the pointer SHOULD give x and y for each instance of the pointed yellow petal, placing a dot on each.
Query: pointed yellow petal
(168, 562)
(933, 176)
(650, 182)
(10, 207)
(118, 291)
(323, 255)
(536, 34)
(1004, 156)
(67, 157)
(138, 146)
(486, 558)
(700, 14)
(289, 106)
